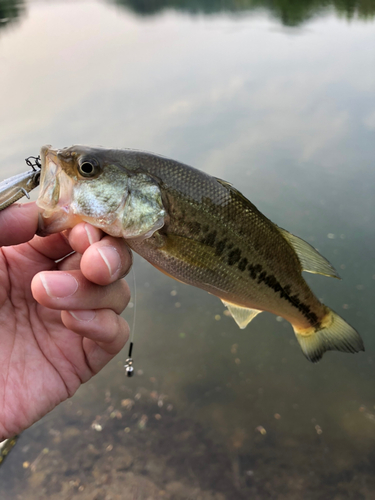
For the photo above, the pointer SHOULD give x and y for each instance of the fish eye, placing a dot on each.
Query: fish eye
(88, 167)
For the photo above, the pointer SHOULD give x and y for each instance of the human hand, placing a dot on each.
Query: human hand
(60, 321)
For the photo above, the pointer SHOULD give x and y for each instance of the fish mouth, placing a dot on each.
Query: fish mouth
(55, 193)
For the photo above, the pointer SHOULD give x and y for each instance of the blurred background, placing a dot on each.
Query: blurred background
(276, 97)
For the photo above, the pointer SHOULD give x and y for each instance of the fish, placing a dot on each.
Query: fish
(199, 230)
(14, 188)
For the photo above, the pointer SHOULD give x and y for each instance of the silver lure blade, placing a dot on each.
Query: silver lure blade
(14, 188)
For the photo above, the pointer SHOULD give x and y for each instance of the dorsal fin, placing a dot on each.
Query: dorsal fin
(247, 203)
(241, 315)
(310, 259)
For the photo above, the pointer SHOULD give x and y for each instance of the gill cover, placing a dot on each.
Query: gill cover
(143, 211)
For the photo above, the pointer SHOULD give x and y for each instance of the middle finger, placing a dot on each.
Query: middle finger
(106, 261)
(71, 262)
(71, 290)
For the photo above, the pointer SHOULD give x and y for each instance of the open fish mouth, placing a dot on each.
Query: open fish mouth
(55, 193)
(85, 184)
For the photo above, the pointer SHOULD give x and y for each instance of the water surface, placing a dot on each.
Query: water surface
(279, 100)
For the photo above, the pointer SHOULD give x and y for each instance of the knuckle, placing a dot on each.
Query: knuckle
(119, 296)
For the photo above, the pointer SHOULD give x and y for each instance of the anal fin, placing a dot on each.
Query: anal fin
(241, 315)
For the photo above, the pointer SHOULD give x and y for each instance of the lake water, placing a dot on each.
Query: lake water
(279, 99)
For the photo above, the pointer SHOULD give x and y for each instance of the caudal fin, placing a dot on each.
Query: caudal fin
(333, 335)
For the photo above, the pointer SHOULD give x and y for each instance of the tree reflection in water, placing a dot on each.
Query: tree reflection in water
(10, 11)
(289, 12)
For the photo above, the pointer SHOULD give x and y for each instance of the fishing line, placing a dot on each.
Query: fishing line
(129, 368)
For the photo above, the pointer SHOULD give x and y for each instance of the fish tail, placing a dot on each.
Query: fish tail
(332, 334)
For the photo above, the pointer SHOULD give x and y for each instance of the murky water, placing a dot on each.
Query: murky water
(279, 100)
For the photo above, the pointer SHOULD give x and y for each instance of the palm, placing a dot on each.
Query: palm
(41, 361)
(46, 354)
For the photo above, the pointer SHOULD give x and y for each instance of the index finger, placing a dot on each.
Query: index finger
(104, 258)
(18, 223)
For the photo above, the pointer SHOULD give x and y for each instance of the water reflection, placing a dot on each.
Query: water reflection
(290, 13)
(289, 119)
(10, 11)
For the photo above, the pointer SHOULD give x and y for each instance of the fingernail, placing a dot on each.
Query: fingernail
(89, 235)
(111, 258)
(60, 285)
(83, 315)
(130, 254)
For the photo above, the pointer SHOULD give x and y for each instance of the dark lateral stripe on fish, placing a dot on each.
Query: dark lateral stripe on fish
(242, 264)
(234, 257)
(270, 281)
(210, 239)
(220, 247)
(253, 270)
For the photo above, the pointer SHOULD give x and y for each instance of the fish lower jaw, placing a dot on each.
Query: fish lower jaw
(65, 209)
(55, 222)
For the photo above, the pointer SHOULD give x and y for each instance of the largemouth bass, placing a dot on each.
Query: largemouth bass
(199, 230)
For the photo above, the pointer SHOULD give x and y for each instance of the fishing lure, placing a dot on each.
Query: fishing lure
(17, 186)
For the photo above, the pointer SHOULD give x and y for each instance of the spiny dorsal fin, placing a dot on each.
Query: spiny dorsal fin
(247, 203)
(241, 315)
(310, 259)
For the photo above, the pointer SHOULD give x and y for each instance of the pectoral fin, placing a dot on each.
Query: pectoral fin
(241, 315)
(310, 259)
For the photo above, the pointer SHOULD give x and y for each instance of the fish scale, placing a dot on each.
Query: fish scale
(197, 229)
(193, 197)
